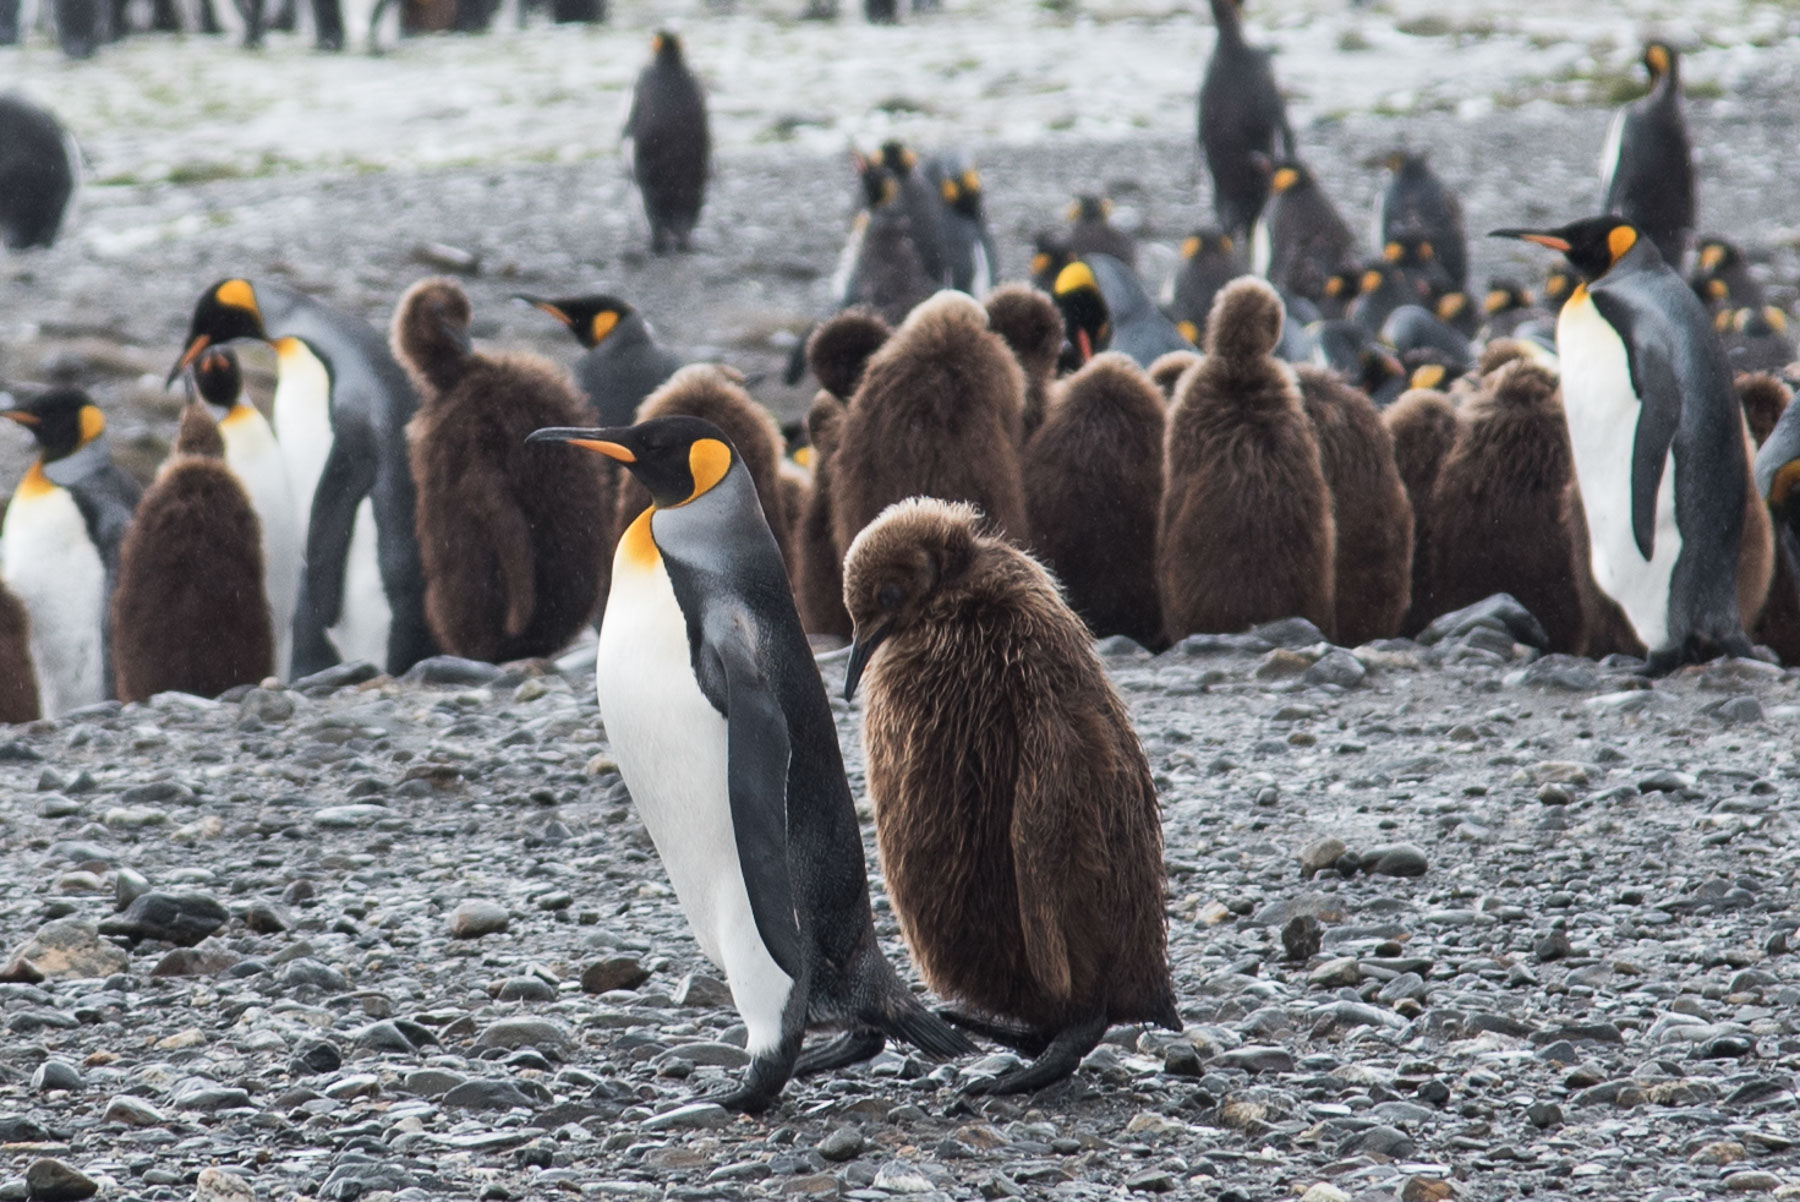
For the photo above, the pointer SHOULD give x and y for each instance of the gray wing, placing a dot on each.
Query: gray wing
(1658, 389)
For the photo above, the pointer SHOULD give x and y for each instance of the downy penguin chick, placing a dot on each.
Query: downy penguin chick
(1032, 326)
(1422, 424)
(18, 679)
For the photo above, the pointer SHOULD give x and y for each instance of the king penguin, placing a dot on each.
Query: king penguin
(255, 459)
(39, 165)
(671, 145)
(1647, 166)
(1241, 116)
(341, 408)
(1658, 440)
(623, 364)
(726, 741)
(59, 546)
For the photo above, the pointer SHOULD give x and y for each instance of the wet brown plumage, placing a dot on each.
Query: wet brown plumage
(1499, 513)
(819, 591)
(1017, 822)
(18, 679)
(1422, 424)
(1028, 320)
(1373, 518)
(189, 613)
(513, 539)
(1093, 492)
(1246, 533)
(1765, 398)
(938, 415)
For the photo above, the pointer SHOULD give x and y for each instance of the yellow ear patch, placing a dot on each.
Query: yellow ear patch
(1621, 239)
(1711, 255)
(93, 423)
(1776, 318)
(1429, 375)
(1495, 301)
(1718, 289)
(1452, 304)
(806, 457)
(1786, 480)
(971, 180)
(602, 325)
(1658, 59)
(1074, 277)
(947, 190)
(708, 461)
(1225, 243)
(1392, 252)
(1284, 179)
(1334, 285)
(1371, 280)
(238, 294)
(1722, 320)
(1189, 331)
(1040, 263)
(1190, 246)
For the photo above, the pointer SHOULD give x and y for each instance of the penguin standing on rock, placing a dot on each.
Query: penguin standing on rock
(1647, 166)
(341, 408)
(1017, 821)
(1658, 440)
(189, 614)
(1242, 116)
(671, 145)
(725, 738)
(18, 681)
(256, 460)
(623, 363)
(513, 541)
(59, 547)
(38, 169)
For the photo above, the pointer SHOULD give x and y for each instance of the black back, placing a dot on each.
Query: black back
(1242, 116)
(672, 143)
(1418, 204)
(36, 174)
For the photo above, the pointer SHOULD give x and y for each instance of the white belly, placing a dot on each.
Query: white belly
(1602, 413)
(671, 747)
(302, 423)
(256, 459)
(48, 561)
(366, 617)
(1262, 247)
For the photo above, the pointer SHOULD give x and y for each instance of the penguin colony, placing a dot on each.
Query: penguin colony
(994, 475)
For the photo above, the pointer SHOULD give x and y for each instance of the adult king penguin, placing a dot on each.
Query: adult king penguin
(1647, 166)
(1241, 115)
(725, 738)
(671, 146)
(623, 364)
(1658, 438)
(59, 546)
(341, 408)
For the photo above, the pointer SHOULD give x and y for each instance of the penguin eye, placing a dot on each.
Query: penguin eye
(889, 597)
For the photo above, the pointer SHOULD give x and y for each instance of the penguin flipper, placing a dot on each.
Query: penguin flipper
(1041, 847)
(757, 755)
(1659, 397)
(348, 476)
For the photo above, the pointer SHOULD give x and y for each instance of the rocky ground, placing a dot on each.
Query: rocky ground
(1446, 921)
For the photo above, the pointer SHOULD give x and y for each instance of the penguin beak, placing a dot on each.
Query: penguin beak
(23, 417)
(193, 352)
(604, 442)
(860, 651)
(1551, 240)
(538, 302)
(1084, 344)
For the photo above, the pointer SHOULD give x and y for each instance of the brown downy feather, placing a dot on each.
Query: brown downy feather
(840, 346)
(716, 393)
(1422, 424)
(1032, 327)
(513, 539)
(819, 592)
(1168, 369)
(1500, 520)
(1093, 490)
(18, 679)
(1756, 547)
(1765, 398)
(198, 434)
(1246, 533)
(938, 415)
(1014, 811)
(188, 611)
(1369, 506)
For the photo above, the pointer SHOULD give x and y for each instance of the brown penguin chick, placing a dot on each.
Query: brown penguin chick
(189, 613)
(938, 415)
(819, 591)
(1765, 398)
(1499, 514)
(716, 393)
(1422, 424)
(1014, 812)
(839, 348)
(513, 540)
(1246, 533)
(1032, 326)
(1093, 490)
(1756, 546)
(1169, 367)
(1369, 506)
(18, 679)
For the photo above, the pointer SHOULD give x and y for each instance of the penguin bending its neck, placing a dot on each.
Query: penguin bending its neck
(341, 408)
(189, 614)
(1017, 822)
(720, 724)
(513, 541)
(59, 547)
(256, 460)
(1659, 442)
(1247, 534)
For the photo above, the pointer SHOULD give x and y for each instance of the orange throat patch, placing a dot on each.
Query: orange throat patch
(637, 547)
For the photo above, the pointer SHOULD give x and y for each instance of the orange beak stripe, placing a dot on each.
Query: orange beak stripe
(553, 311)
(611, 450)
(1550, 240)
(22, 417)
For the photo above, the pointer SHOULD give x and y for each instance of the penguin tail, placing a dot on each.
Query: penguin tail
(904, 1018)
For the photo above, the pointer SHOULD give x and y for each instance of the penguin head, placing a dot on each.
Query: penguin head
(218, 378)
(1286, 177)
(677, 459)
(590, 318)
(1591, 245)
(1049, 255)
(1088, 207)
(1403, 162)
(1087, 323)
(226, 312)
(880, 184)
(1208, 243)
(897, 157)
(62, 421)
(1246, 320)
(430, 334)
(1504, 296)
(1659, 60)
(665, 47)
(902, 570)
(1716, 254)
(961, 192)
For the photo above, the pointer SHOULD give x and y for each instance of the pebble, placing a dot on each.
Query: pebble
(704, 1115)
(350, 817)
(1342, 970)
(1319, 855)
(71, 949)
(1324, 1191)
(216, 1185)
(56, 1074)
(613, 972)
(842, 1144)
(183, 919)
(1402, 859)
(487, 1093)
(698, 989)
(50, 1180)
(1301, 937)
(132, 1112)
(1336, 667)
(539, 1033)
(1751, 1181)
(475, 918)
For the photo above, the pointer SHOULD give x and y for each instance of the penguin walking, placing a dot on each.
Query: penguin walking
(671, 145)
(1300, 239)
(1647, 166)
(59, 546)
(255, 458)
(1242, 116)
(513, 543)
(18, 680)
(1417, 204)
(341, 409)
(1014, 809)
(1105, 307)
(726, 740)
(1658, 440)
(623, 362)
(189, 614)
(1209, 261)
(38, 169)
